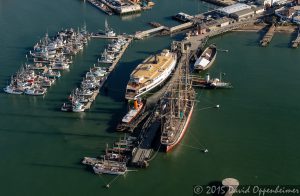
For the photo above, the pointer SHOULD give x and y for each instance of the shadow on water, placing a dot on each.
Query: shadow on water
(55, 166)
(55, 133)
(33, 116)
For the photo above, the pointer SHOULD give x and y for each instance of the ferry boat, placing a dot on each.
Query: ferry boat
(206, 59)
(151, 73)
(138, 105)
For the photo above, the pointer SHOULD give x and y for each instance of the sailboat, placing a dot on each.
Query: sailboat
(108, 31)
(177, 108)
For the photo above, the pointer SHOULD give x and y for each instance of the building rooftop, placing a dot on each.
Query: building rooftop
(234, 8)
(243, 12)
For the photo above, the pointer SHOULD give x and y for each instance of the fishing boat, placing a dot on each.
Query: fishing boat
(67, 107)
(177, 107)
(134, 111)
(78, 107)
(206, 59)
(52, 74)
(10, 89)
(106, 58)
(35, 91)
(151, 73)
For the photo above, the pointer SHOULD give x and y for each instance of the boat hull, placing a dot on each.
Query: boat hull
(168, 148)
(198, 67)
(153, 85)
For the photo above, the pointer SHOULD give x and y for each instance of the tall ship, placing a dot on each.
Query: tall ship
(150, 73)
(206, 59)
(177, 107)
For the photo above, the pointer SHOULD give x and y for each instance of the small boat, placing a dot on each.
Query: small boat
(66, 107)
(78, 107)
(35, 91)
(206, 59)
(10, 89)
(84, 92)
(133, 112)
(52, 74)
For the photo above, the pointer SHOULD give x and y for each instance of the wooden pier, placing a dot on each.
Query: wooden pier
(296, 42)
(268, 36)
(146, 33)
(113, 65)
(87, 106)
(104, 37)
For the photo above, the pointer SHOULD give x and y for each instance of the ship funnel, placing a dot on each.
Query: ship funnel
(155, 59)
(207, 77)
(135, 104)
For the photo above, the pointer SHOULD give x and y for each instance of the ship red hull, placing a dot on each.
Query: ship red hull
(170, 147)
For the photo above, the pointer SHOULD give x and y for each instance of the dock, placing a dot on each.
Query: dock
(101, 6)
(87, 106)
(268, 36)
(146, 33)
(113, 65)
(104, 37)
(296, 42)
(142, 153)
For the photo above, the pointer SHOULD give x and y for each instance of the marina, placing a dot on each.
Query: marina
(49, 143)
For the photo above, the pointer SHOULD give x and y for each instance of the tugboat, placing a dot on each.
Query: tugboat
(208, 83)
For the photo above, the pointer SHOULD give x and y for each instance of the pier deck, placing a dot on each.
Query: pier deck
(113, 65)
(143, 34)
(268, 36)
(88, 104)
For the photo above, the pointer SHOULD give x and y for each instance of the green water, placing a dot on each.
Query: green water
(254, 136)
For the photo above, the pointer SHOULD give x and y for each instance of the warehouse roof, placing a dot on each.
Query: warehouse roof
(234, 8)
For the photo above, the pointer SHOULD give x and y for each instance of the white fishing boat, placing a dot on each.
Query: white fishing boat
(35, 91)
(78, 107)
(10, 89)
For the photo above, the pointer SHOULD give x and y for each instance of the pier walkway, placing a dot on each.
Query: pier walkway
(143, 34)
(268, 36)
(113, 65)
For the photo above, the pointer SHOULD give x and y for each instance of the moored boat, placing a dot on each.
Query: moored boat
(151, 73)
(206, 59)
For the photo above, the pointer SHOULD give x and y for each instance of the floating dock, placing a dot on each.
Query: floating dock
(87, 106)
(268, 36)
(113, 65)
(296, 42)
(143, 34)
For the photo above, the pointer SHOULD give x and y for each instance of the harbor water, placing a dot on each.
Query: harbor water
(253, 136)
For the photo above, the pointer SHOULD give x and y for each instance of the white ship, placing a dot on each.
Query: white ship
(151, 73)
